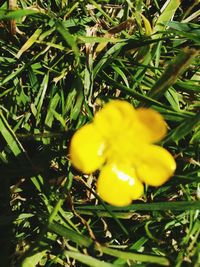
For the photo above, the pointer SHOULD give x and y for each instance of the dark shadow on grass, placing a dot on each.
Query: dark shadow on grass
(19, 194)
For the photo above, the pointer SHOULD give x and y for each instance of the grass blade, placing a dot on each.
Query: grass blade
(10, 137)
(29, 42)
(166, 15)
(172, 72)
(34, 259)
(70, 234)
(69, 39)
(5, 15)
(136, 256)
(87, 242)
(88, 260)
(179, 205)
(183, 129)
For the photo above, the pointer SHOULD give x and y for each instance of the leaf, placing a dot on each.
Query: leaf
(196, 137)
(135, 247)
(109, 35)
(5, 15)
(88, 260)
(106, 57)
(69, 39)
(170, 8)
(77, 94)
(135, 256)
(184, 128)
(12, 75)
(33, 260)
(87, 242)
(188, 86)
(146, 99)
(59, 118)
(10, 136)
(172, 72)
(61, 230)
(52, 106)
(184, 27)
(98, 7)
(147, 25)
(178, 205)
(29, 42)
(41, 96)
(189, 30)
(194, 15)
(96, 39)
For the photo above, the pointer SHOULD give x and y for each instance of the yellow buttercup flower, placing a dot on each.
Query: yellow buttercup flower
(87, 149)
(120, 143)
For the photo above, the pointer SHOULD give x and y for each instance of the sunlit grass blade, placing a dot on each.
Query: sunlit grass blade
(172, 72)
(79, 239)
(34, 259)
(5, 15)
(29, 42)
(169, 10)
(88, 260)
(136, 256)
(12, 75)
(10, 137)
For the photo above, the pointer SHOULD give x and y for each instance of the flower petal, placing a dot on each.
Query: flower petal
(153, 127)
(115, 118)
(118, 185)
(87, 149)
(156, 165)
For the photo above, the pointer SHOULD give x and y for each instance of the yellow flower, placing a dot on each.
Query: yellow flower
(120, 142)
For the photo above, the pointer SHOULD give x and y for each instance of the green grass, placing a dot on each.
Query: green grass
(70, 58)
